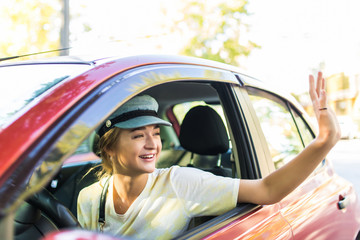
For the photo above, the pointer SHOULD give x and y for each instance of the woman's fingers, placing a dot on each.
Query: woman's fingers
(319, 83)
(317, 93)
(320, 88)
(322, 99)
(312, 88)
(314, 95)
(327, 121)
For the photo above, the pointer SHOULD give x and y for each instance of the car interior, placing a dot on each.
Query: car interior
(198, 138)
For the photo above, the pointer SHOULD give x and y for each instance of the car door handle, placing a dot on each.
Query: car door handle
(343, 202)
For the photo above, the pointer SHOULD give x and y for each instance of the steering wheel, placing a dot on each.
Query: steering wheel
(30, 221)
(53, 209)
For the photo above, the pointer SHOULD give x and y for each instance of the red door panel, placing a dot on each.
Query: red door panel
(313, 209)
(265, 223)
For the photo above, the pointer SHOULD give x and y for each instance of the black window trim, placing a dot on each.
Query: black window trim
(242, 138)
(294, 111)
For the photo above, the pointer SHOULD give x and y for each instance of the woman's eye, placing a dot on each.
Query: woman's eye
(138, 136)
(157, 134)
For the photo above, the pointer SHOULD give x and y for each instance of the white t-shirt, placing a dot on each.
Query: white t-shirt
(171, 197)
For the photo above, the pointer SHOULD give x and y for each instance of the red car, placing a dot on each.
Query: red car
(50, 109)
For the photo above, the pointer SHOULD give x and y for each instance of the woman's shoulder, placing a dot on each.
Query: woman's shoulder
(177, 169)
(162, 175)
(179, 173)
(163, 172)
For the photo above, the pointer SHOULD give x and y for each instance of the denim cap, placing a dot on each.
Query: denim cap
(139, 111)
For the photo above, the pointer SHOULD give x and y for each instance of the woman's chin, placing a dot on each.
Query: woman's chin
(149, 167)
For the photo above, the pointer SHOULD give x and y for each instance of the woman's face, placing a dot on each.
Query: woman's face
(137, 150)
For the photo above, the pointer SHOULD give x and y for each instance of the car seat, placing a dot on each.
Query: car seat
(203, 133)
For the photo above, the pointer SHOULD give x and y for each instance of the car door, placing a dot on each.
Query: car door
(324, 205)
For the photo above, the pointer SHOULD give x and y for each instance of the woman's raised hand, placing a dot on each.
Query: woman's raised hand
(329, 129)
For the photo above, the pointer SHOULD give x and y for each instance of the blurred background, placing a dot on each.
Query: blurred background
(280, 42)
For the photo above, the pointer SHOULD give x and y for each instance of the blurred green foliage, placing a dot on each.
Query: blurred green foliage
(218, 30)
(29, 26)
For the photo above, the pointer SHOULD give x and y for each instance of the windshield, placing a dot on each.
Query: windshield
(22, 84)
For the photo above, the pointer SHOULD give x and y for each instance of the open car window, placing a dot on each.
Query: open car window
(75, 174)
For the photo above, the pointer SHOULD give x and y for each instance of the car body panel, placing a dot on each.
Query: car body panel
(312, 209)
(80, 234)
(264, 223)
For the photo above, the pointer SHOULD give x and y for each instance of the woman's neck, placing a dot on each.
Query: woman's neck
(126, 189)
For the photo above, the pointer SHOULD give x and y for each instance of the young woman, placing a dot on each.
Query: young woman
(148, 203)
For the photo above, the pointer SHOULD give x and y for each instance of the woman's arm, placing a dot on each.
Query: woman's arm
(280, 183)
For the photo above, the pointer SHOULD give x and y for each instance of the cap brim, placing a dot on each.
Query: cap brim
(141, 122)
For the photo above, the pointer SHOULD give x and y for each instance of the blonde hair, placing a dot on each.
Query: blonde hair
(106, 148)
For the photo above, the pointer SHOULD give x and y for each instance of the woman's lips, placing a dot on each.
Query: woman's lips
(148, 157)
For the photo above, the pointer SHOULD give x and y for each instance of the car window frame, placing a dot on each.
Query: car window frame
(296, 111)
(291, 108)
(273, 98)
(307, 123)
(254, 130)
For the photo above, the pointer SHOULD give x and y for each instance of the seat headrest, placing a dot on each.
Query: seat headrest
(203, 132)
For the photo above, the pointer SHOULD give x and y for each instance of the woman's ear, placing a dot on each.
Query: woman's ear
(109, 153)
(112, 155)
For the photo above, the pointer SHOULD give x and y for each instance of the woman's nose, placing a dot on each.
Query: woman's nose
(151, 142)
